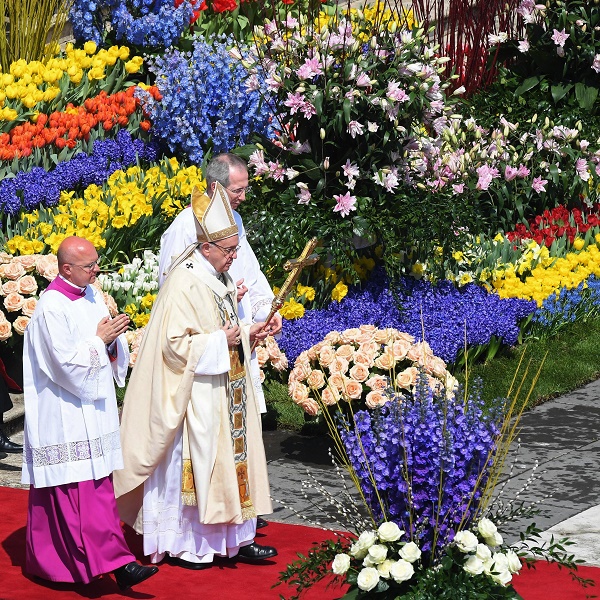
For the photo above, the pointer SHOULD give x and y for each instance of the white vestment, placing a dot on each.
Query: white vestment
(256, 303)
(71, 415)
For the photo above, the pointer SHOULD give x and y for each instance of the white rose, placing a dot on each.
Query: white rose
(384, 568)
(377, 553)
(466, 541)
(389, 532)
(486, 528)
(494, 540)
(473, 565)
(483, 552)
(502, 577)
(368, 579)
(410, 552)
(401, 571)
(360, 548)
(514, 562)
(340, 564)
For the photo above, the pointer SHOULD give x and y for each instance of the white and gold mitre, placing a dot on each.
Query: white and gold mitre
(214, 216)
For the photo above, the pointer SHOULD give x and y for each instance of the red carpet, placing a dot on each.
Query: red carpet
(227, 579)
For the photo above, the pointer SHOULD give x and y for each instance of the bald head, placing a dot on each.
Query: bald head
(72, 249)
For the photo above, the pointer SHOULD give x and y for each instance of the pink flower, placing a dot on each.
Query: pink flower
(538, 184)
(294, 102)
(304, 194)
(510, 173)
(486, 175)
(559, 37)
(350, 170)
(395, 92)
(581, 167)
(355, 128)
(523, 171)
(311, 68)
(277, 171)
(345, 204)
(524, 46)
(596, 63)
(257, 160)
(308, 110)
(363, 80)
(458, 188)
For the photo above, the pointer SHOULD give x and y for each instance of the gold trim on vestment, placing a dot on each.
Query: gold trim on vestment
(188, 488)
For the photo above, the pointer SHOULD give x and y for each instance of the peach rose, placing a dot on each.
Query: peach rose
(272, 347)
(405, 337)
(434, 384)
(309, 406)
(351, 335)
(12, 270)
(362, 358)
(29, 306)
(345, 351)
(27, 260)
(383, 336)
(298, 391)
(5, 258)
(5, 330)
(13, 302)
(377, 382)
(333, 337)
(370, 348)
(375, 399)
(368, 329)
(385, 361)
(47, 266)
(313, 352)
(316, 380)
(365, 337)
(339, 365)
(113, 309)
(261, 375)
(359, 372)
(27, 285)
(10, 287)
(20, 323)
(330, 396)
(281, 364)
(436, 367)
(419, 353)
(261, 355)
(400, 349)
(337, 380)
(353, 389)
(408, 378)
(326, 355)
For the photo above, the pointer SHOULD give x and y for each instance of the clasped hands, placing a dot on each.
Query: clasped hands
(233, 333)
(109, 330)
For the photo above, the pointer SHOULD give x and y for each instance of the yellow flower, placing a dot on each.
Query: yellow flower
(578, 243)
(90, 47)
(499, 238)
(147, 301)
(339, 291)
(465, 278)
(306, 291)
(141, 320)
(458, 255)
(130, 309)
(291, 310)
(417, 270)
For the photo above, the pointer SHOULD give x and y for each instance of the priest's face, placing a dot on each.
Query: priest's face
(238, 184)
(83, 268)
(221, 254)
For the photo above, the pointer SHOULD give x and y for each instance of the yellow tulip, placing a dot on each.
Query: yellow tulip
(90, 47)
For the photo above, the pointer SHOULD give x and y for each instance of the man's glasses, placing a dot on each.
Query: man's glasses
(239, 191)
(226, 251)
(89, 267)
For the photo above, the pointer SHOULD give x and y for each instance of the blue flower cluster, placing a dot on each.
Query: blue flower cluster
(205, 102)
(28, 190)
(567, 306)
(144, 23)
(422, 462)
(448, 316)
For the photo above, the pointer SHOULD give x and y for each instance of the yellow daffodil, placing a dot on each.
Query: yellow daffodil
(292, 310)
(339, 291)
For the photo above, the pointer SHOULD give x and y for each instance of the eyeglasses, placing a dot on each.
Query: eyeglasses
(239, 191)
(226, 251)
(89, 267)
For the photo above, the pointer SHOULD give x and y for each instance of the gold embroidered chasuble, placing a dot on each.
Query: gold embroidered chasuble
(225, 471)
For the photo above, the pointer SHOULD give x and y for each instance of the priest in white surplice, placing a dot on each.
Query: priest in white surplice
(195, 474)
(232, 173)
(72, 352)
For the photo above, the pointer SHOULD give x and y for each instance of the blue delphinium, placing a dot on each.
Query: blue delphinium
(38, 187)
(423, 462)
(144, 23)
(205, 100)
(446, 315)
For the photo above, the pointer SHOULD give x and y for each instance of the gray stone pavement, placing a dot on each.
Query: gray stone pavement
(562, 436)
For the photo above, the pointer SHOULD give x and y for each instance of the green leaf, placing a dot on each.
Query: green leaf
(346, 108)
(560, 91)
(527, 85)
(586, 95)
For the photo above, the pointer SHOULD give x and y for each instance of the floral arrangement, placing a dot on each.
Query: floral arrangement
(451, 317)
(358, 365)
(208, 99)
(271, 359)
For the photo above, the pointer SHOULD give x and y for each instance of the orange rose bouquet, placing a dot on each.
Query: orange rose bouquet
(358, 365)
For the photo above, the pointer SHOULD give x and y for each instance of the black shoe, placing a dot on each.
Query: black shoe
(133, 573)
(7, 446)
(255, 552)
(260, 523)
(186, 564)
